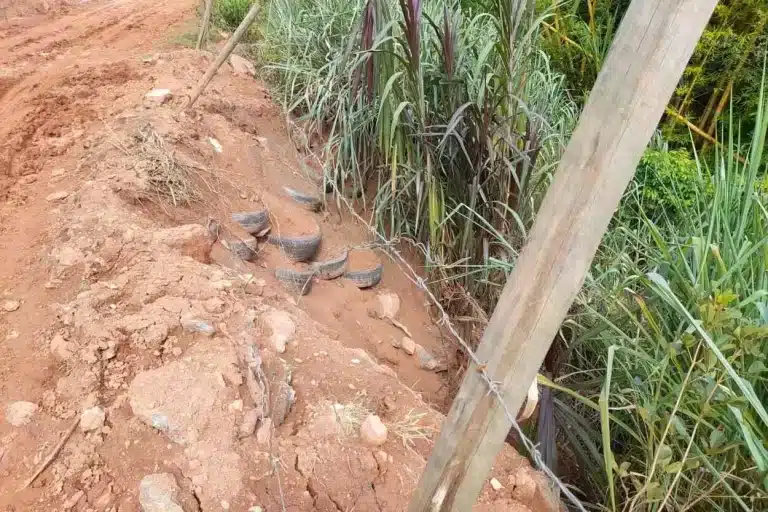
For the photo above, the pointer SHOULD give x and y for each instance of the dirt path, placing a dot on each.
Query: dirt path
(121, 309)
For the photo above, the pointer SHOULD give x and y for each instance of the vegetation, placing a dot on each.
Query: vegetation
(229, 13)
(451, 117)
(454, 133)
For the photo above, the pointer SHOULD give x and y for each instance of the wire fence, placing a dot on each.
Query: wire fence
(494, 389)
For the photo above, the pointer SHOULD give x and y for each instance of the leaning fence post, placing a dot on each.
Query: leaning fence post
(645, 62)
(203, 34)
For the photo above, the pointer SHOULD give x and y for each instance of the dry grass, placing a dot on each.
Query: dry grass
(412, 428)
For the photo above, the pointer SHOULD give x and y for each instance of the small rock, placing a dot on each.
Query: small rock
(216, 145)
(20, 413)
(159, 493)
(57, 196)
(224, 504)
(496, 484)
(157, 96)
(193, 324)
(265, 431)
(214, 305)
(92, 419)
(389, 304)
(248, 424)
(11, 305)
(29, 178)
(373, 431)
(426, 360)
(57, 172)
(237, 405)
(282, 326)
(176, 351)
(242, 66)
(255, 509)
(73, 500)
(12, 335)
(61, 348)
(408, 345)
(381, 457)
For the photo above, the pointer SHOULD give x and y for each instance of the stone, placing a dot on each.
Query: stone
(57, 172)
(388, 304)
(249, 422)
(255, 509)
(68, 256)
(373, 431)
(61, 348)
(408, 345)
(193, 324)
(217, 147)
(265, 431)
(214, 305)
(92, 419)
(73, 500)
(282, 326)
(20, 413)
(10, 306)
(381, 457)
(426, 360)
(242, 66)
(496, 484)
(57, 196)
(159, 493)
(157, 96)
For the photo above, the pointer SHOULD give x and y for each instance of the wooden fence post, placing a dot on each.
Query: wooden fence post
(203, 34)
(645, 62)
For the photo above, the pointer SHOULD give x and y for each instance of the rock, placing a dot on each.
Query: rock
(282, 326)
(248, 424)
(20, 413)
(373, 431)
(496, 484)
(381, 457)
(426, 360)
(389, 304)
(29, 178)
(255, 509)
(193, 324)
(408, 345)
(157, 97)
(242, 66)
(10, 305)
(68, 256)
(214, 305)
(57, 196)
(265, 431)
(92, 419)
(217, 147)
(57, 172)
(73, 500)
(61, 348)
(159, 493)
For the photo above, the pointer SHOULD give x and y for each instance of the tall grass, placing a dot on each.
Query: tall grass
(452, 124)
(669, 360)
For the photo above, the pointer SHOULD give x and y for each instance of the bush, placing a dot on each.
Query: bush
(230, 13)
(667, 182)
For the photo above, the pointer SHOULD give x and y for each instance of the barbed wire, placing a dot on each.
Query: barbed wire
(444, 320)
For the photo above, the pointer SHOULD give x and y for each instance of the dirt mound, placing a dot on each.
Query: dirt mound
(220, 390)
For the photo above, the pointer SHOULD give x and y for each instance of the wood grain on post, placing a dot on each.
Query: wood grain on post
(223, 54)
(645, 62)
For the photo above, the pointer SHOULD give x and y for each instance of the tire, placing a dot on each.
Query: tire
(307, 201)
(243, 249)
(252, 222)
(365, 278)
(296, 281)
(297, 248)
(332, 268)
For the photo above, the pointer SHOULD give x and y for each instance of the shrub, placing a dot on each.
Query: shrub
(230, 13)
(667, 183)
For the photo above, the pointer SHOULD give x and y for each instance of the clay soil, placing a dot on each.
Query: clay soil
(362, 259)
(126, 303)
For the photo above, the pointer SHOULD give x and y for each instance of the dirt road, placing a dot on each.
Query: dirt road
(191, 376)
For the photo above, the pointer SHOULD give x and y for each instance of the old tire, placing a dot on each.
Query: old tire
(331, 268)
(307, 201)
(243, 249)
(297, 248)
(365, 278)
(252, 222)
(296, 281)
